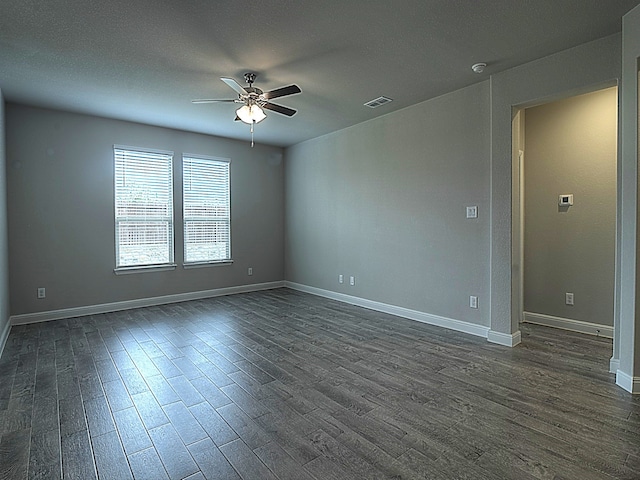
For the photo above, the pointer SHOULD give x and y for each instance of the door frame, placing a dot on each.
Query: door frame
(518, 225)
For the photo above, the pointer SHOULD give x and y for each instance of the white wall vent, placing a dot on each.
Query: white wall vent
(376, 102)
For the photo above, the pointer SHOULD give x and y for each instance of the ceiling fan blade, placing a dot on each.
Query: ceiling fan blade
(235, 85)
(289, 112)
(212, 100)
(282, 92)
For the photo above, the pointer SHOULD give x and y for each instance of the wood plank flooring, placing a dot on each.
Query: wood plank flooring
(284, 385)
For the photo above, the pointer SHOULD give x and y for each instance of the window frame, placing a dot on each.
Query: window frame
(186, 219)
(168, 183)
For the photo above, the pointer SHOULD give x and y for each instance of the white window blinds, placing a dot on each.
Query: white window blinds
(143, 207)
(207, 235)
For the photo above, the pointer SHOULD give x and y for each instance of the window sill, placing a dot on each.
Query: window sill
(144, 269)
(220, 263)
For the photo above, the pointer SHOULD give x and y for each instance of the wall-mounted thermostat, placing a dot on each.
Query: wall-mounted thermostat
(565, 200)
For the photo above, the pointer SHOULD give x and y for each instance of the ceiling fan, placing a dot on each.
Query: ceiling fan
(254, 100)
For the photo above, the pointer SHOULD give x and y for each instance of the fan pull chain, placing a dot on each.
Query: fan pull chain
(252, 124)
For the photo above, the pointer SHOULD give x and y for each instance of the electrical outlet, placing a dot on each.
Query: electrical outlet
(250, 271)
(472, 212)
(340, 278)
(42, 292)
(473, 301)
(568, 298)
(352, 281)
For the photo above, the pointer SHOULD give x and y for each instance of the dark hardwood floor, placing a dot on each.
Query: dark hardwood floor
(284, 385)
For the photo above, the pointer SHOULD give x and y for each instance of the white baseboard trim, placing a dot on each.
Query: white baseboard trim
(26, 318)
(568, 324)
(629, 383)
(506, 339)
(458, 325)
(4, 334)
(614, 364)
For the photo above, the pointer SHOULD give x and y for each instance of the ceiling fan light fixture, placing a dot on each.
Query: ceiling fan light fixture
(251, 114)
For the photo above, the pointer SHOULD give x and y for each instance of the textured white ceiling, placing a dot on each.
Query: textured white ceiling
(144, 60)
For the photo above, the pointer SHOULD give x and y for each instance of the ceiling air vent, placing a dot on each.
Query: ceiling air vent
(376, 102)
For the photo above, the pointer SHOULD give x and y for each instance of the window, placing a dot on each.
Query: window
(207, 236)
(143, 207)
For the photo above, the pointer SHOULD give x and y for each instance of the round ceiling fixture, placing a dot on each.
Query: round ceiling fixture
(478, 67)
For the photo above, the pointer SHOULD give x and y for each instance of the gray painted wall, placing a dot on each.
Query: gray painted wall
(571, 147)
(60, 210)
(385, 201)
(380, 200)
(4, 252)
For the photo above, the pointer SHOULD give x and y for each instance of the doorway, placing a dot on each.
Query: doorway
(565, 199)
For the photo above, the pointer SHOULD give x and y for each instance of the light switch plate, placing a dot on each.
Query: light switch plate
(472, 212)
(568, 298)
(473, 301)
